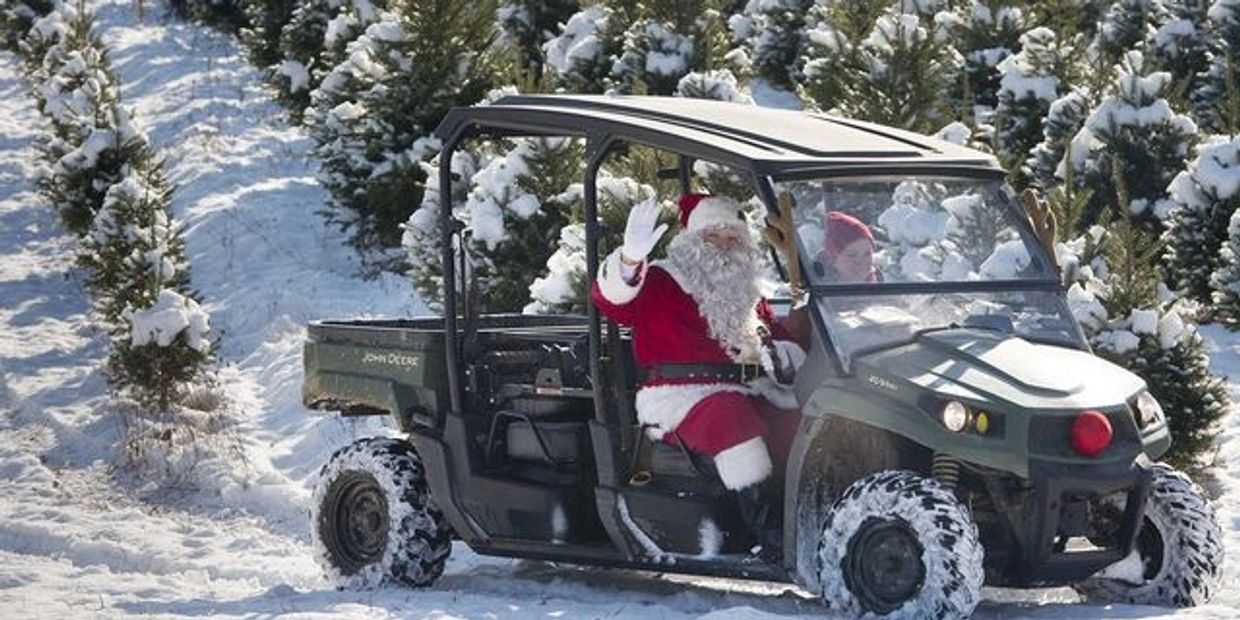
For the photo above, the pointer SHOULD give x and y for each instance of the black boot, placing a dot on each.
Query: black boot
(761, 510)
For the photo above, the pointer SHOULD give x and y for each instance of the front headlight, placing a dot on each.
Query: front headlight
(1148, 410)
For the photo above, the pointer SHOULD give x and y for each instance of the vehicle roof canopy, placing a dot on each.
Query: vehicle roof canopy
(770, 141)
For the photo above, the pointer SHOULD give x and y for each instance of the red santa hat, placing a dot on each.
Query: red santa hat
(701, 211)
(841, 230)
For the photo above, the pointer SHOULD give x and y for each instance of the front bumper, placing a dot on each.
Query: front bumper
(1062, 503)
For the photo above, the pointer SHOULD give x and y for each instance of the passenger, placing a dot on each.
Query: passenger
(717, 363)
(848, 250)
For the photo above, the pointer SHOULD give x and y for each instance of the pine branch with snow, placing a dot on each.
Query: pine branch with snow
(1127, 25)
(1216, 99)
(1206, 195)
(985, 32)
(1031, 80)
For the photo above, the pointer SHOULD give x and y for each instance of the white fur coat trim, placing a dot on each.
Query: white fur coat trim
(611, 280)
(664, 407)
(747, 463)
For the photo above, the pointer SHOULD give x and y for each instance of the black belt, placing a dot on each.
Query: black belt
(737, 373)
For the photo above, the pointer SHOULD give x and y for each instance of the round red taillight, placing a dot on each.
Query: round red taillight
(1091, 433)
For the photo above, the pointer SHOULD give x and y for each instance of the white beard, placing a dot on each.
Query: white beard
(725, 287)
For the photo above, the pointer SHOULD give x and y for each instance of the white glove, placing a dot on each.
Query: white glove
(640, 232)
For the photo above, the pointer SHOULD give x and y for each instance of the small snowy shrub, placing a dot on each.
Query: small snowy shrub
(1064, 118)
(581, 56)
(160, 349)
(527, 25)
(1127, 24)
(985, 33)
(1206, 195)
(720, 85)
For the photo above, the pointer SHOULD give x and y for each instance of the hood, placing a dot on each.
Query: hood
(988, 366)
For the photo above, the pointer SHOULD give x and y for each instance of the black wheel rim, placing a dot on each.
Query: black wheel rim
(883, 567)
(354, 521)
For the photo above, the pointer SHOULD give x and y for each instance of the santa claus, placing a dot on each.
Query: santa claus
(717, 364)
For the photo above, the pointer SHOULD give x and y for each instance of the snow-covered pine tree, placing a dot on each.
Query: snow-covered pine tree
(1226, 281)
(1181, 46)
(519, 202)
(92, 138)
(1127, 25)
(985, 32)
(1206, 195)
(46, 32)
(1130, 319)
(226, 14)
(372, 116)
(580, 58)
(1131, 146)
(654, 58)
(563, 287)
(1030, 81)
(1069, 18)
(905, 65)
(261, 34)
(16, 18)
(832, 49)
(1064, 118)
(312, 42)
(720, 85)
(770, 34)
(527, 25)
(1216, 100)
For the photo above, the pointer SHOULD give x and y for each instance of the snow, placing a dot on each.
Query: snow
(171, 314)
(78, 538)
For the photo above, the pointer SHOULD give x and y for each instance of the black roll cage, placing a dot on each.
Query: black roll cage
(602, 136)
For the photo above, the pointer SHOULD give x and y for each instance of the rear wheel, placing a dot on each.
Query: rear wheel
(374, 520)
(899, 545)
(1178, 557)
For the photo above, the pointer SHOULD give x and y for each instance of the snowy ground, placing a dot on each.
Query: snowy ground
(78, 540)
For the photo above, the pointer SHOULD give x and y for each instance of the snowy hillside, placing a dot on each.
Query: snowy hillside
(79, 540)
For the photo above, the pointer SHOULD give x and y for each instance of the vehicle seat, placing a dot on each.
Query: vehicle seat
(562, 442)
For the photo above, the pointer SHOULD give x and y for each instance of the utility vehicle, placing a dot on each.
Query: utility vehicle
(957, 430)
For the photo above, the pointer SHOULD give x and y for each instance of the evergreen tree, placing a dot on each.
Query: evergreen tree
(92, 138)
(719, 85)
(1031, 80)
(1048, 164)
(312, 42)
(581, 57)
(1117, 299)
(1127, 25)
(900, 81)
(1181, 46)
(1131, 146)
(985, 32)
(770, 35)
(372, 116)
(1069, 18)
(529, 24)
(261, 35)
(16, 18)
(1216, 99)
(226, 14)
(832, 53)
(1226, 281)
(45, 32)
(1206, 195)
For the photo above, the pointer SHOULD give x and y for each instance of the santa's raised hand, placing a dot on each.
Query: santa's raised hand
(642, 232)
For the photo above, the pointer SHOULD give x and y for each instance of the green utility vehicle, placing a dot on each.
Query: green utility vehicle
(957, 431)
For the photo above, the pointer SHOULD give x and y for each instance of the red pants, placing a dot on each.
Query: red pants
(746, 435)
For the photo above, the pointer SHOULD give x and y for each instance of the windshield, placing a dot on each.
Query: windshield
(886, 234)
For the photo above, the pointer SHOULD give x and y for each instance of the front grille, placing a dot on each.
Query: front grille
(1048, 434)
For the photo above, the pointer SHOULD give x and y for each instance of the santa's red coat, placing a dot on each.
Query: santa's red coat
(727, 420)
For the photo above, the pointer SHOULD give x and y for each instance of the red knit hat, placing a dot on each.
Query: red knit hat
(699, 211)
(841, 230)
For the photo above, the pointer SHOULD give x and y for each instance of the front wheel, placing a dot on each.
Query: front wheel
(899, 545)
(1178, 557)
(374, 520)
